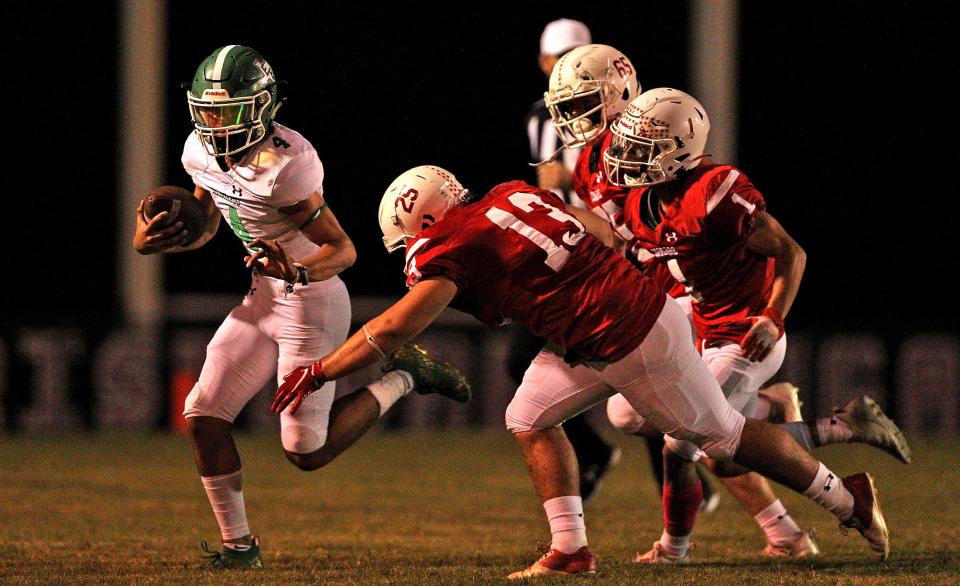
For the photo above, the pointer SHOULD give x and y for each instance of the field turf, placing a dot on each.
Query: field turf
(424, 507)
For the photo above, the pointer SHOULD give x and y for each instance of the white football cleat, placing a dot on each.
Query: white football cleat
(867, 517)
(557, 563)
(657, 556)
(870, 425)
(802, 546)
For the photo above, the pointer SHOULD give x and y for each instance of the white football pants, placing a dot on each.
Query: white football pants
(272, 332)
(664, 381)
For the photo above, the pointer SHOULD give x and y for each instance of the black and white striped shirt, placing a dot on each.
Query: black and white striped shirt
(544, 143)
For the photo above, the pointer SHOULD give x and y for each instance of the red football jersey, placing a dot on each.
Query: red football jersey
(602, 197)
(516, 255)
(701, 238)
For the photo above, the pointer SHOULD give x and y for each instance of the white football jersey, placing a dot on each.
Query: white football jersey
(283, 169)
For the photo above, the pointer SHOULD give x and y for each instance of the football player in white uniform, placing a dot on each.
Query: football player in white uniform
(267, 182)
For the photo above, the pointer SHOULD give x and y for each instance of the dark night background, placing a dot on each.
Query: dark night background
(846, 125)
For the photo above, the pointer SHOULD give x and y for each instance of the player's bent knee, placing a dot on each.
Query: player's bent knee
(517, 419)
(201, 402)
(681, 449)
(302, 439)
(724, 446)
(623, 416)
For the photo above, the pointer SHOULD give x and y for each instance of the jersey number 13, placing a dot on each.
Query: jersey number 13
(552, 231)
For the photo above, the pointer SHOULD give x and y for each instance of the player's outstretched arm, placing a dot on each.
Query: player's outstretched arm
(770, 239)
(381, 336)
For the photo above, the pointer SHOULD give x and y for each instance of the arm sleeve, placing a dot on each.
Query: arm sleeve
(298, 179)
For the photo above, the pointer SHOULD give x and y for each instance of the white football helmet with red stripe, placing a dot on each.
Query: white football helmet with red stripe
(661, 132)
(589, 87)
(415, 200)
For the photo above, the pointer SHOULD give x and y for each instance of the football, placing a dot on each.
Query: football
(181, 205)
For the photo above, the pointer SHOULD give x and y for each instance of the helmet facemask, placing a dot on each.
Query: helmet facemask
(589, 87)
(661, 134)
(578, 115)
(232, 99)
(227, 126)
(635, 161)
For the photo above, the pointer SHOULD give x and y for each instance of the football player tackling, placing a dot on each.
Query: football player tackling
(519, 254)
(706, 226)
(267, 182)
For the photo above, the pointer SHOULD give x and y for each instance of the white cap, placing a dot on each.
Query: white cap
(562, 35)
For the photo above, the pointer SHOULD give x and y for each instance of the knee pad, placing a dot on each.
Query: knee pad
(199, 404)
(623, 416)
(307, 431)
(725, 445)
(515, 419)
(522, 416)
(302, 439)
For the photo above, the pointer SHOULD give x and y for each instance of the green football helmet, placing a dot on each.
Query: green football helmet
(232, 100)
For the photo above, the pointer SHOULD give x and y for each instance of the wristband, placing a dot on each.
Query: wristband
(774, 316)
(316, 371)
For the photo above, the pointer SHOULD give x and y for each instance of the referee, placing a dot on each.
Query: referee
(557, 38)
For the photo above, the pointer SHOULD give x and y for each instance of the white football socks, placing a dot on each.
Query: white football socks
(567, 530)
(225, 494)
(777, 524)
(829, 492)
(674, 546)
(388, 389)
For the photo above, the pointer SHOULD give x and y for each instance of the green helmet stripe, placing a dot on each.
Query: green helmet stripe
(218, 66)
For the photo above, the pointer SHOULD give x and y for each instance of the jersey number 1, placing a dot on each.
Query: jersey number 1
(557, 254)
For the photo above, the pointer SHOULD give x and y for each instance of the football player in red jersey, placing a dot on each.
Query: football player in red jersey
(519, 254)
(706, 226)
(589, 88)
(595, 455)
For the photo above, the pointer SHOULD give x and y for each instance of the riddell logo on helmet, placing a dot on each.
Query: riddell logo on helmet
(216, 94)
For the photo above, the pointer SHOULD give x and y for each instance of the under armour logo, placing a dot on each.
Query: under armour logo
(236, 191)
(827, 485)
(670, 237)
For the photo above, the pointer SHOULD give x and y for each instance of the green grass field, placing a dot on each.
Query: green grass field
(453, 507)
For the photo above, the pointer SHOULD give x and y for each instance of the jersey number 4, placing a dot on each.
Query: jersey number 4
(555, 231)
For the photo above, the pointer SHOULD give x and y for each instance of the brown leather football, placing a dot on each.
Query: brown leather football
(181, 205)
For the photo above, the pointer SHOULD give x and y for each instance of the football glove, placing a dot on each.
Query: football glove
(297, 386)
